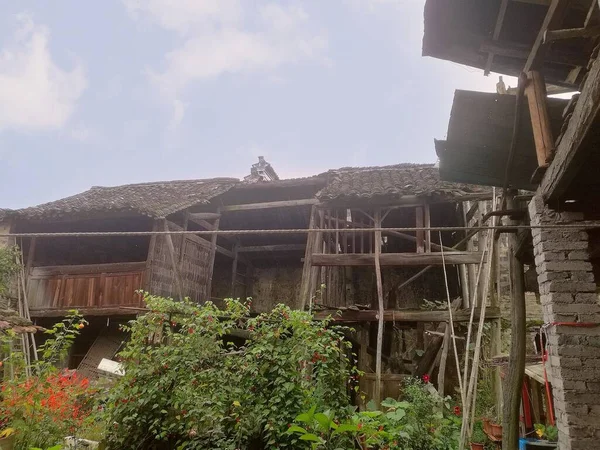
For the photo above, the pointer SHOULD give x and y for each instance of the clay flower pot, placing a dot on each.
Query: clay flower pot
(475, 446)
(496, 430)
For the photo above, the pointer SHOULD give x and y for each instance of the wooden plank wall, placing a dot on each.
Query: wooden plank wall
(97, 285)
(194, 266)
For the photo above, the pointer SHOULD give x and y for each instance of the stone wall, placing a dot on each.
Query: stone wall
(568, 295)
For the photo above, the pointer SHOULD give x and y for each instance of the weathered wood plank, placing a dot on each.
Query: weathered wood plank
(204, 216)
(535, 90)
(85, 311)
(570, 153)
(267, 205)
(395, 259)
(87, 269)
(406, 315)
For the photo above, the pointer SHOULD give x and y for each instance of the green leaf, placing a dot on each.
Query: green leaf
(296, 429)
(310, 437)
(323, 420)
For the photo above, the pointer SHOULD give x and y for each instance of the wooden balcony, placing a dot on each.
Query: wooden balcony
(96, 289)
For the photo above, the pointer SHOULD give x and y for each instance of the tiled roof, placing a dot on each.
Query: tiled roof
(393, 181)
(156, 199)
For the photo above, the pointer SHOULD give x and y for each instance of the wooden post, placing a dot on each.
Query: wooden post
(540, 119)
(377, 248)
(171, 250)
(234, 268)
(443, 359)
(516, 361)
(30, 258)
(213, 252)
(496, 337)
(307, 269)
(420, 233)
(427, 213)
(150, 257)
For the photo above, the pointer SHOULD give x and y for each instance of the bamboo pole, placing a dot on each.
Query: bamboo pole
(377, 245)
(451, 324)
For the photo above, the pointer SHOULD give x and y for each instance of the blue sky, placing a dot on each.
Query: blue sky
(121, 91)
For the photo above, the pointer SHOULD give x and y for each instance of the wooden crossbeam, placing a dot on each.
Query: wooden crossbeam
(535, 90)
(268, 205)
(518, 51)
(407, 315)
(554, 18)
(571, 33)
(570, 153)
(272, 248)
(204, 216)
(496, 35)
(395, 259)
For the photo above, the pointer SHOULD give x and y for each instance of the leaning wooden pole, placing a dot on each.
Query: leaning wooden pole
(516, 362)
(377, 247)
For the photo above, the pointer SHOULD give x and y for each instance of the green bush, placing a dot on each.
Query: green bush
(187, 387)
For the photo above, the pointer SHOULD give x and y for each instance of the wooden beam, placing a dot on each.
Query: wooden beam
(420, 233)
(535, 2)
(427, 218)
(519, 51)
(86, 311)
(272, 248)
(395, 259)
(87, 269)
(554, 18)
(571, 33)
(205, 216)
(535, 90)
(150, 257)
(174, 262)
(496, 35)
(405, 315)
(213, 251)
(234, 265)
(267, 205)
(308, 271)
(571, 153)
(30, 259)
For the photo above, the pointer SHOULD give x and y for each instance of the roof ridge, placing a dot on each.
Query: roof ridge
(150, 183)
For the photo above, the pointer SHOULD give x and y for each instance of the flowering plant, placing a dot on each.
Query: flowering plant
(50, 404)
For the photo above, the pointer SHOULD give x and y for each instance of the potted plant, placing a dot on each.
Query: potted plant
(478, 438)
(548, 435)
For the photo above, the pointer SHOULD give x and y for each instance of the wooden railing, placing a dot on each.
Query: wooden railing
(94, 287)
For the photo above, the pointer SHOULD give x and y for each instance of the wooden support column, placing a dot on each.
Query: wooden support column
(516, 362)
(30, 259)
(308, 271)
(540, 121)
(213, 252)
(420, 233)
(174, 262)
(496, 335)
(444, 357)
(381, 310)
(234, 268)
(427, 213)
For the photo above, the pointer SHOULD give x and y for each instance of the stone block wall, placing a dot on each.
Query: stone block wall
(568, 295)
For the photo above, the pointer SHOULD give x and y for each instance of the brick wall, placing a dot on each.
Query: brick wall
(568, 294)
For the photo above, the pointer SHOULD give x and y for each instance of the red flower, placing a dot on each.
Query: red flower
(457, 410)
(359, 426)
(425, 378)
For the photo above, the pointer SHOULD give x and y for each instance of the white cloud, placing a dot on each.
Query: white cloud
(40, 94)
(221, 37)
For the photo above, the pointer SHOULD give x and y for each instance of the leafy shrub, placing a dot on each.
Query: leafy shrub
(421, 421)
(50, 404)
(187, 386)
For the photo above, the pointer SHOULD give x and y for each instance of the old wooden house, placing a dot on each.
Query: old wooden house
(522, 139)
(308, 241)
